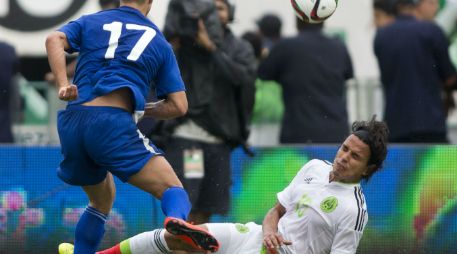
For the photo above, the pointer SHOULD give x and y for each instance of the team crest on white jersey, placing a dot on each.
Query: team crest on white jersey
(329, 204)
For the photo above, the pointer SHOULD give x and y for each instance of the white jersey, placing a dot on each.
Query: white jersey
(321, 217)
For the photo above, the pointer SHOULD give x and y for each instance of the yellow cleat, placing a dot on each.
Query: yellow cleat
(66, 248)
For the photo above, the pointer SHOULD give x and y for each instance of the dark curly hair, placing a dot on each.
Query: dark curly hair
(374, 134)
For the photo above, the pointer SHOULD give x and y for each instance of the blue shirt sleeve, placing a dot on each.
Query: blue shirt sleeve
(73, 31)
(168, 79)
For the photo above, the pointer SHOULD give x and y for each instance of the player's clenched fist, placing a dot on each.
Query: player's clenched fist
(273, 241)
(68, 93)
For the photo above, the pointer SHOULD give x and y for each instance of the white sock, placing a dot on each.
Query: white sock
(152, 242)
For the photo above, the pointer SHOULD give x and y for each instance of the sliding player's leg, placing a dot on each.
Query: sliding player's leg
(158, 178)
(158, 241)
(233, 238)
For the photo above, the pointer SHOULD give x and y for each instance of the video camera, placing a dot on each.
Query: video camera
(182, 20)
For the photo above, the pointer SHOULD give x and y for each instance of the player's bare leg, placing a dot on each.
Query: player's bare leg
(156, 177)
(101, 196)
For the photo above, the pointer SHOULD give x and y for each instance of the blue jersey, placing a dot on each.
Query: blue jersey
(121, 48)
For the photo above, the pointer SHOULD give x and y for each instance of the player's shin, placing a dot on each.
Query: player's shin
(89, 231)
(175, 203)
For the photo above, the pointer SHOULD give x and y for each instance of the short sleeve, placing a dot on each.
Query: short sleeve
(349, 232)
(168, 79)
(346, 241)
(285, 196)
(73, 32)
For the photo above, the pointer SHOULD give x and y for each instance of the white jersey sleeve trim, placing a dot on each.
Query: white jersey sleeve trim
(362, 216)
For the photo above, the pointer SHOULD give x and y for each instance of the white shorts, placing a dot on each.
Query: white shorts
(237, 238)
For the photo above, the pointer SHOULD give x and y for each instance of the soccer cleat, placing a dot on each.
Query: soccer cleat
(193, 235)
(66, 248)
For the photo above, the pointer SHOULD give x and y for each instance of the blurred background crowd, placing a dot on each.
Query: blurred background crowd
(264, 77)
(256, 76)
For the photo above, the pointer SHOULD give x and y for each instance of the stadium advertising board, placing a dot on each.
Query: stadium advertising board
(412, 202)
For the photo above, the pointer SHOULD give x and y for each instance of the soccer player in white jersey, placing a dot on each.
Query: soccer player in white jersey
(323, 209)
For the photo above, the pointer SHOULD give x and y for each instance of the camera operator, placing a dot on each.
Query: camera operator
(219, 71)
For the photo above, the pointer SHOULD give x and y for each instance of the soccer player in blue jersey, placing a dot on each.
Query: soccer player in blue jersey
(121, 53)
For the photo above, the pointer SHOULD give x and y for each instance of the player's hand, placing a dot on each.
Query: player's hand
(273, 241)
(68, 92)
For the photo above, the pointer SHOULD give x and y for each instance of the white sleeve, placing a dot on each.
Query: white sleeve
(285, 196)
(349, 232)
(346, 241)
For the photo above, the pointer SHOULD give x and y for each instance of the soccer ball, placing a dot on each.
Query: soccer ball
(314, 11)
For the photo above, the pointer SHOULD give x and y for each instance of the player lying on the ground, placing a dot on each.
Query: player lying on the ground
(323, 210)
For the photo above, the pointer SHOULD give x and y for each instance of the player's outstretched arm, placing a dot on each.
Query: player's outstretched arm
(272, 240)
(175, 105)
(56, 44)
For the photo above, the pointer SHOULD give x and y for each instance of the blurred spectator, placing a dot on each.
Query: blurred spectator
(219, 73)
(415, 66)
(268, 109)
(426, 9)
(447, 17)
(256, 42)
(312, 69)
(383, 12)
(269, 26)
(9, 66)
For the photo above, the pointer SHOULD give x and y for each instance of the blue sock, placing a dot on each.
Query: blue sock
(89, 231)
(175, 203)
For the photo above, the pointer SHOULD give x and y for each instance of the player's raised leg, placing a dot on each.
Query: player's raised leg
(158, 178)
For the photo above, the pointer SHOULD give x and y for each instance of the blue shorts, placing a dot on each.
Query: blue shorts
(96, 140)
